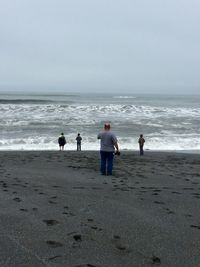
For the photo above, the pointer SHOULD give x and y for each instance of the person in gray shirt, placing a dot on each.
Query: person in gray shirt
(108, 145)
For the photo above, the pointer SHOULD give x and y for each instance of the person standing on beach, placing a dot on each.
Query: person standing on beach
(141, 142)
(61, 141)
(108, 145)
(78, 140)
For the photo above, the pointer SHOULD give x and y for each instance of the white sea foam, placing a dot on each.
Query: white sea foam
(36, 125)
(125, 97)
(152, 143)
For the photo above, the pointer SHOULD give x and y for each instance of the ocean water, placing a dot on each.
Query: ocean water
(34, 122)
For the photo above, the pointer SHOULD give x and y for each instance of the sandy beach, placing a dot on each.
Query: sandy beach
(57, 210)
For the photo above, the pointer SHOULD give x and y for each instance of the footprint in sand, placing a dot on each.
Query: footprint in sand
(24, 210)
(187, 215)
(159, 202)
(195, 226)
(175, 192)
(17, 199)
(50, 222)
(96, 188)
(195, 194)
(118, 243)
(54, 257)
(131, 187)
(170, 212)
(96, 228)
(86, 265)
(54, 244)
(78, 187)
(188, 188)
(52, 202)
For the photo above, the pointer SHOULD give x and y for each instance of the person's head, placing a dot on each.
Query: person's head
(141, 135)
(78, 134)
(62, 133)
(107, 126)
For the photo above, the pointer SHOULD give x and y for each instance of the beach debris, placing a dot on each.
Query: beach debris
(155, 260)
(77, 238)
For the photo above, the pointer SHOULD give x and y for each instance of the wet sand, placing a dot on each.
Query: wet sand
(57, 210)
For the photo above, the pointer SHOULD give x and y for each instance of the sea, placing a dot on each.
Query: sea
(35, 121)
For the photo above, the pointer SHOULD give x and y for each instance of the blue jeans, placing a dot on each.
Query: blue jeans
(106, 162)
(141, 150)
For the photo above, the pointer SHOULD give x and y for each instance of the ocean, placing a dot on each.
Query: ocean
(34, 122)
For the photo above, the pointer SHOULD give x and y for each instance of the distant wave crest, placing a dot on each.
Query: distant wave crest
(125, 97)
(24, 101)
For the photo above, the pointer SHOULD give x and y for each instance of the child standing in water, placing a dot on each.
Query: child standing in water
(141, 142)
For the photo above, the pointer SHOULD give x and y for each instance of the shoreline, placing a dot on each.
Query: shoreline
(90, 150)
(57, 210)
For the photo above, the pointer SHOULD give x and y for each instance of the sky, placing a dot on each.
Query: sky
(120, 46)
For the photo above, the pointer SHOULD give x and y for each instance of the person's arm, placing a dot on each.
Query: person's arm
(116, 146)
(115, 143)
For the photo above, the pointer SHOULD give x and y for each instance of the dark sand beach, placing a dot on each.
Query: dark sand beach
(57, 210)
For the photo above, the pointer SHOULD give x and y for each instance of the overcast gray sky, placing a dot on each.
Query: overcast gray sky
(128, 46)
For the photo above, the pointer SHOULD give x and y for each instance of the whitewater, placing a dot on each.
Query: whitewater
(34, 121)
